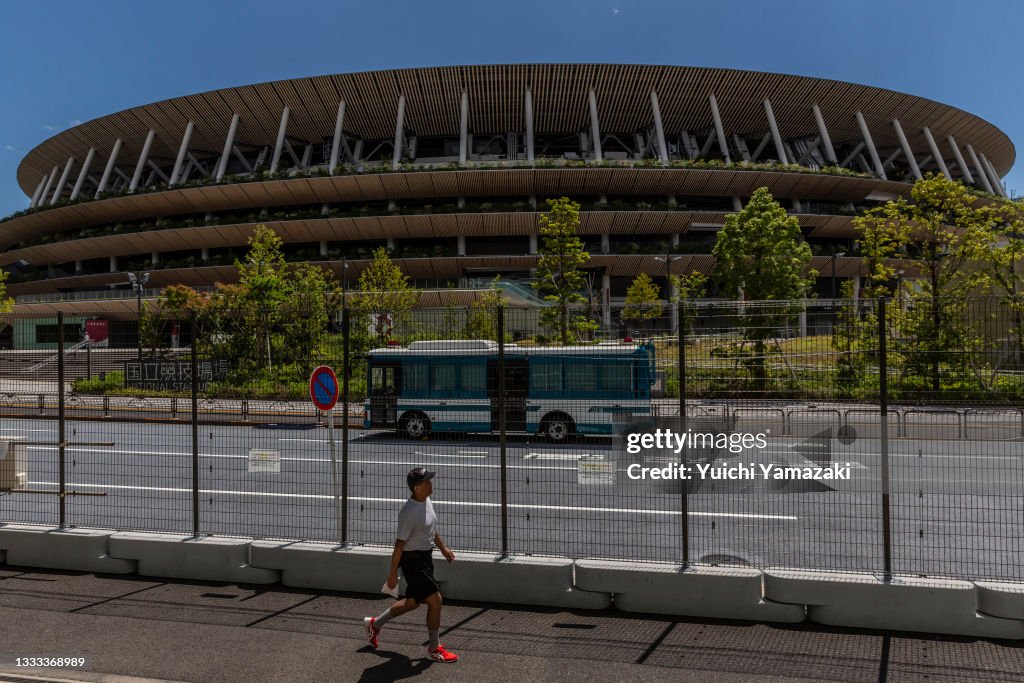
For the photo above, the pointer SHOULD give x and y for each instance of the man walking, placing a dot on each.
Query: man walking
(417, 535)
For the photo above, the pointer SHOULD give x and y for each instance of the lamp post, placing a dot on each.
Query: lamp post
(668, 259)
(138, 282)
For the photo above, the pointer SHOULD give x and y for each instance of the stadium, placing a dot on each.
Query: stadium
(447, 167)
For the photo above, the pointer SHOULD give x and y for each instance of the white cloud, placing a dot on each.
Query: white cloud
(616, 11)
(50, 128)
(75, 122)
(11, 148)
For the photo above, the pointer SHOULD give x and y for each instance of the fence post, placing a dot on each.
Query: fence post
(195, 430)
(502, 428)
(346, 370)
(684, 502)
(61, 460)
(883, 395)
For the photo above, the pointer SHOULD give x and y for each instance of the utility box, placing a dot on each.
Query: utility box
(13, 463)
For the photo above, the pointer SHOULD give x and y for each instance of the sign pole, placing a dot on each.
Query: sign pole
(323, 391)
(334, 472)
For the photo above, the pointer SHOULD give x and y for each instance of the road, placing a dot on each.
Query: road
(957, 506)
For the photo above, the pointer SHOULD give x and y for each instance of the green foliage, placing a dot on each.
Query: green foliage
(111, 382)
(643, 300)
(482, 319)
(559, 278)
(385, 297)
(6, 303)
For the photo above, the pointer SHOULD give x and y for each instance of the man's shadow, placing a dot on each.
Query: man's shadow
(394, 667)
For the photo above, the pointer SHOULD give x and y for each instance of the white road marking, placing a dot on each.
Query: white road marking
(456, 503)
(560, 456)
(447, 455)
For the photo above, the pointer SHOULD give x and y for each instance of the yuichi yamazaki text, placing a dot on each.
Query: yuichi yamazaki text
(739, 471)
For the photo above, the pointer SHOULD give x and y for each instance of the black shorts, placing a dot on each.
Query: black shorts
(418, 569)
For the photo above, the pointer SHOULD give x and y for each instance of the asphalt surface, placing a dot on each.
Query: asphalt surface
(138, 627)
(957, 506)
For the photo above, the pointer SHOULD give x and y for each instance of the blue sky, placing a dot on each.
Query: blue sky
(63, 62)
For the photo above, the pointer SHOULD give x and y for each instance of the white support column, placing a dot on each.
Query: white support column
(964, 171)
(993, 175)
(595, 128)
(719, 129)
(39, 191)
(78, 266)
(866, 134)
(396, 158)
(528, 111)
(464, 128)
(391, 244)
(113, 264)
(606, 300)
(339, 134)
(659, 129)
(182, 151)
(780, 149)
(905, 146)
(282, 130)
(826, 140)
(674, 239)
(323, 247)
(533, 244)
(143, 158)
(229, 143)
(204, 254)
(802, 318)
(856, 287)
(981, 171)
(109, 168)
(737, 204)
(49, 183)
(154, 258)
(606, 243)
(83, 174)
(460, 245)
(63, 181)
(935, 152)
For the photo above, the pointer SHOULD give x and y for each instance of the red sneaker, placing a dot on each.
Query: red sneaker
(442, 655)
(371, 630)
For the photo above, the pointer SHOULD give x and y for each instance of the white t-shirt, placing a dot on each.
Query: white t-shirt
(417, 525)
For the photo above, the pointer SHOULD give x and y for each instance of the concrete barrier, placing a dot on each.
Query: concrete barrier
(179, 556)
(87, 550)
(931, 424)
(902, 604)
(330, 567)
(993, 425)
(520, 580)
(1004, 600)
(715, 592)
(757, 420)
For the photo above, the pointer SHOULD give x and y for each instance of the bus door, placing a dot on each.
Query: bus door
(517, 384)
(385, 386)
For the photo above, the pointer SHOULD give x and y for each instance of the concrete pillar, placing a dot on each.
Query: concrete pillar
(803, 322)
(872, 151)
(606, 300)
(674, 239)
(528, 111)
(113, 264)
(464, 128)
(856, 287)
(977, 164)
(323, 247)
(673, 309)
(935, 152)
(964, 171)
(50, 180)
(719, 129)
(659, 129)
(595, 128)
(399, 132)
(460, 245)
(63, 181)
(905, 146)
(993, 175)
(533, 244)
(339, 134)
(109, 168)
(737, 204)
(143, 158)
(83, 174)
(780, 149)
(182, 151)
(39, 191)
(78, 266)
(229, 142)
(282, 131)
(204, 254)
(154, 258)
(391, 244)
(826, 140)
(606, 243)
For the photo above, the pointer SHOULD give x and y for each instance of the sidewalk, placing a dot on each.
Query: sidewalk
(200, 631)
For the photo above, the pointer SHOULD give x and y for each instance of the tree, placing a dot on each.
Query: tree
(262, 276)
(559, 278)
(760, 255)
(6, 303)
(691, 286)
(643, 300)
(482, 319)
(1003, 260)
(385, 294)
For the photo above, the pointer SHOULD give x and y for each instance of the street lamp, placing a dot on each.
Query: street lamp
(138, 283)
(834, 257)
(668, 259)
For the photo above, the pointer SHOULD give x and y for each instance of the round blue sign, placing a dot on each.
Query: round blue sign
(323, 388)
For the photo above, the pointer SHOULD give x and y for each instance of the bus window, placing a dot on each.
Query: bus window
(384, 379)
(580, 376)
(414, 379)
(444, 378)
(474, 378)
(616, 376)
(545, 376)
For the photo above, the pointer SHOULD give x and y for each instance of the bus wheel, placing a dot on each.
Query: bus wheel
(414, 425)
(557, 427)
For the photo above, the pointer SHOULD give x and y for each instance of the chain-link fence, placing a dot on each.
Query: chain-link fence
(865, 435)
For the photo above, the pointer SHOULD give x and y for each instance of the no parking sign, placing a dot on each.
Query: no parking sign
(323, 388)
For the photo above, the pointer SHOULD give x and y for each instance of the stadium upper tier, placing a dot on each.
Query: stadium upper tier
(415, 158)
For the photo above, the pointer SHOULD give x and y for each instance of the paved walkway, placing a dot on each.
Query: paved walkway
(145, 628)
